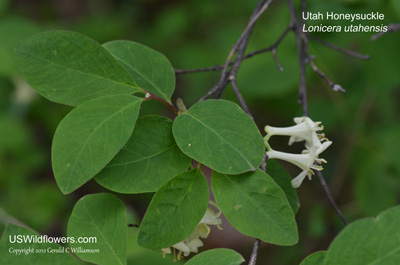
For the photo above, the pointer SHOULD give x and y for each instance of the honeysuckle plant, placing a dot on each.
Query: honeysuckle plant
(107, 138)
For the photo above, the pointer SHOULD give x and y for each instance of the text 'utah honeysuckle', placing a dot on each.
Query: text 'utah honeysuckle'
(315, 143)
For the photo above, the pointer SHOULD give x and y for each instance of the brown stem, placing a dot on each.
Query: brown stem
(391, 28)
(339, 49)
(163, 101)
(330, 198)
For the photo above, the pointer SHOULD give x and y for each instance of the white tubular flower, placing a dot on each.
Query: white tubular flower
(306, 162)
(315, 143)
(211, 217)
(193, 242)
(296, 182)
(303, 161)
(303, 130)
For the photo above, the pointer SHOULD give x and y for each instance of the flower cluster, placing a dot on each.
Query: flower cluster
(193, 242)
(315, 143)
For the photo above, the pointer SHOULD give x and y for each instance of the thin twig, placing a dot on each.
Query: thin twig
(331, 200)
(301, 50)
(253, 257)
(260, 8)
(391, 28)
(339, 49)
(209, 93)
(273, 46)
(276, 60)
(239, 96)
(215, 68)
(335, 87)
(231, 75)
(253, 20)
(219, 67)
(133, 225)
(239, 47)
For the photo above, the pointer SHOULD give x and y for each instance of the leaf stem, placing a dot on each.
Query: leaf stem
(253, 257)
(330, 198)
(163, 101)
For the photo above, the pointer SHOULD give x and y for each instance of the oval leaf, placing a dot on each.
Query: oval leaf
(368, 242)
(219, 256)
(150, 69)
(9, 243)
(220, 135)
(256, 206)
(90, 136)
(148, 160)
(102, 216)
(283, 179)
(175, 211)
(70, 68)
(316, 258)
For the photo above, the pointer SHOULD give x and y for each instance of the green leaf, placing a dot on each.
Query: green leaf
(256, 206)
(70, 68)
(150, 69)
(13, 232)
(316, 258)
(90, 136)
(175, 211)
(219, 256)
(102, 216)
(283, 179)
(149, 159)
(368, 242)
(220, 135)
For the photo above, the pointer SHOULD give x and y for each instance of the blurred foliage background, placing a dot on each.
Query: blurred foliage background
(363, 170)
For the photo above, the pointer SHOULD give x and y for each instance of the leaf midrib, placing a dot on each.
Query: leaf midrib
(133, 85)
(139, 73)
(99, 231)
(88, 139)
(144, 158)
(216, 133)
